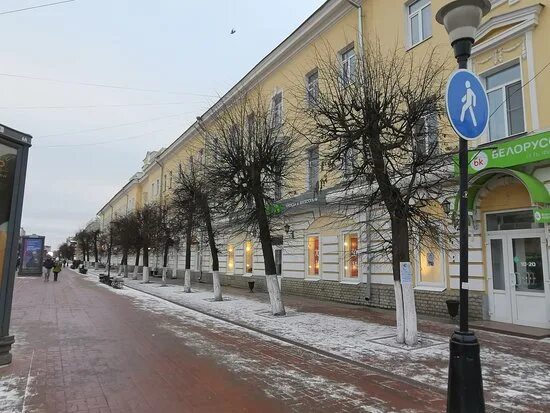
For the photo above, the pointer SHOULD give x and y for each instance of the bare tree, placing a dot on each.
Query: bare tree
(83, 239)
(375, 119)
(125, 236)
(251, 150)
(193, 191)
(148, 229)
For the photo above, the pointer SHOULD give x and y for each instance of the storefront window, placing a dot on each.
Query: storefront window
(8, 157)
(249, 255)
(313, 255)
(230, 258)
(431, 265)
(351, 259)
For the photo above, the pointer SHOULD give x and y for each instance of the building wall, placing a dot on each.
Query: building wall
(514, 31)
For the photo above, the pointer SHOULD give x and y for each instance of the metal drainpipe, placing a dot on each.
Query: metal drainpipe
(359, 6)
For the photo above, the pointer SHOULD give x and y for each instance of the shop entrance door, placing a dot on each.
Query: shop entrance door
(518, 278)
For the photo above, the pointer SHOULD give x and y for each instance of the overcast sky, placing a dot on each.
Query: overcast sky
(182, 49)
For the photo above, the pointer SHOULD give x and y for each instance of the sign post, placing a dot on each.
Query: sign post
(14, 149)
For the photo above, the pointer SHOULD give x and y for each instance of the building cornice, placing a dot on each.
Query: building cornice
(521, 21)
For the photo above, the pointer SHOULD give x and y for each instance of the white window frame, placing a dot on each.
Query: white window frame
(426, 119)
(308, 165)
(504, 106)
(344, 277)
(436, 286)
(277, 110)
(245, 270)
(227, 269)
(311, 87)
(346, 62)
(306, 266)
(410, 16)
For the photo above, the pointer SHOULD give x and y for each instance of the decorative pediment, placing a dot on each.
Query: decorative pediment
(503, 27)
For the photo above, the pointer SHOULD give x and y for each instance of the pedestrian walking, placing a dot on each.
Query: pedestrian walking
(64, 262)
(48, 265)
(57, 269)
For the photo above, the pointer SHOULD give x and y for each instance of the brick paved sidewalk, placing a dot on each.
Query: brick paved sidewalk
(83, 347)
(515, 370)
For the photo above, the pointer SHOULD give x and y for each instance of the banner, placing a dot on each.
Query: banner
(8, 156)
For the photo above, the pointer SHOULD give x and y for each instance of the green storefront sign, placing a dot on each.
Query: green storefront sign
(520, 151)
(542, 215)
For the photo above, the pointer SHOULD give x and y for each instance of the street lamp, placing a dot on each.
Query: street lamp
(461, 19)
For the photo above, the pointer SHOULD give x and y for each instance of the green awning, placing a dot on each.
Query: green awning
(537, 191)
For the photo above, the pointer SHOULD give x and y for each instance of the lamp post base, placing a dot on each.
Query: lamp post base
(465, 387)
(5, 348)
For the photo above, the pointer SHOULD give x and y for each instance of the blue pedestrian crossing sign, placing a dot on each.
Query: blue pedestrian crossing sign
(467, 104)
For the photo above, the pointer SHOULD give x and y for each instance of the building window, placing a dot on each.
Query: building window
(426, 135)
(313, 255)
(158, 186)
(313, 169)
(349, 63)
(420, 21)
(431, 265)
(312, 86)
(505, 95)
(351, 256)
(230, 258)
(165, 182)
(277, 109)
(249, 257)
(171, 180)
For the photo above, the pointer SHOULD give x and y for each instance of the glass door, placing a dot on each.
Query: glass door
(499, 288)
(528, 277)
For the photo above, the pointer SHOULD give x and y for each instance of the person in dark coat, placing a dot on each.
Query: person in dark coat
(48, 265)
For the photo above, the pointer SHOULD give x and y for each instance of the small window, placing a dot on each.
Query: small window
(349, 63)
(431, 263)
(158, 186)
(426, 136)
(171, 180)
(277, 109)
(312, 88)
(507, 221)
(313, 169)
(249, 257)
(349, 162)
(504, 90)
(230, 258)
(165, 182)
(420, 21)
(351, 256)
(313, 256)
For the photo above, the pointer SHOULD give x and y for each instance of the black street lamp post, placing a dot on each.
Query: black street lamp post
(461, 19)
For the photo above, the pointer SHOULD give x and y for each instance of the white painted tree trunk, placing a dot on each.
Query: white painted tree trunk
(217, 286)
(409, 309)
(187, 281)
(164, 275)
(124, 270)
(400, 321)
(135, 274)
(277, 306)
(145, 277)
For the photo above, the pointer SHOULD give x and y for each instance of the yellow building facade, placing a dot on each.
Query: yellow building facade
(324, 255)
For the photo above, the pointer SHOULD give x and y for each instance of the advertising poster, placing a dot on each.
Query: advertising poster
(31, 257)
(8, 157)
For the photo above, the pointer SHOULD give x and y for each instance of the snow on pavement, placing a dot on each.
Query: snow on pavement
(511, 382)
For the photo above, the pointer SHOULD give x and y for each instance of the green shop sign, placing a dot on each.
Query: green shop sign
(274, 209)
(521, 151)
(542, 216)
